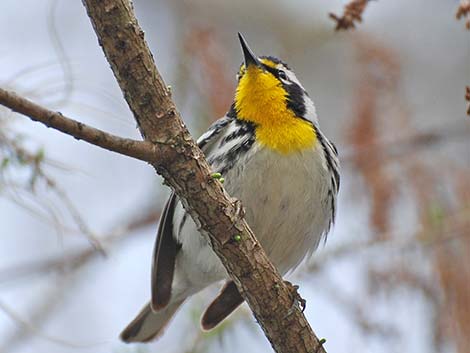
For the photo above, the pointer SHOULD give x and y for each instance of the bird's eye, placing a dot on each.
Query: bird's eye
(282, 75)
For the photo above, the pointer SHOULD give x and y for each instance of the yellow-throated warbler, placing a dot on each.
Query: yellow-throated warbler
(275, 159)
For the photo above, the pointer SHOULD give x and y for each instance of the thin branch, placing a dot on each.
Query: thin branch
(137, 149)
(352, 13)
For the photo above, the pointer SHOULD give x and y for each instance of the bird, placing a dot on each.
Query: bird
(271, 154)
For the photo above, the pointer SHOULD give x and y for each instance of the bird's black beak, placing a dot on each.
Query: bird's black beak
(250, 57)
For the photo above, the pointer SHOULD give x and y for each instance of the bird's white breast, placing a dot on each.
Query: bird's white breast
(287, 206)
(286, 202)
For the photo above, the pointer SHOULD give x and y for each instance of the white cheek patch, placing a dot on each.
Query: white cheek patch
(310, 111)
(294, 78)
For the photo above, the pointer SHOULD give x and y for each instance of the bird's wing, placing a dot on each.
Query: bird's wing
(164, 255)
(167, 247)
(208, 139)
(222, 306)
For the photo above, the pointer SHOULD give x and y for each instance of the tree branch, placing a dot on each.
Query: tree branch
(137, 149)
(184, 167)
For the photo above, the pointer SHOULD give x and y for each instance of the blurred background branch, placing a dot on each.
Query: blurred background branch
(352, 13)
(463, 11)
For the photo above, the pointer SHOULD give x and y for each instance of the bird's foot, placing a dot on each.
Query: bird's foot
(299, 302)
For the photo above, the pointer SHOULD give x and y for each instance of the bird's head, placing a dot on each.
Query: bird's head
(270, 96)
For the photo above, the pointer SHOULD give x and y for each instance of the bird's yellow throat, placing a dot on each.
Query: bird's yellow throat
(261, 99)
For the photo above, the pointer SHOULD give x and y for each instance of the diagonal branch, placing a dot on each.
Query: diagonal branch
(184, 167)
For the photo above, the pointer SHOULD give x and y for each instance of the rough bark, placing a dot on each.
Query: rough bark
(178, 159)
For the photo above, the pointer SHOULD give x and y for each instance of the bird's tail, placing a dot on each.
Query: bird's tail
(149, 325)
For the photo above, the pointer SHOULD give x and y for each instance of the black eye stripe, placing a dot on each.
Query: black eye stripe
(272, 70)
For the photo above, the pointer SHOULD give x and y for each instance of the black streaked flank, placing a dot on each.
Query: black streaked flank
(328, 151)
(214, 130)
(243, 128)
(235, 153)
(334, 148)
(245, 132)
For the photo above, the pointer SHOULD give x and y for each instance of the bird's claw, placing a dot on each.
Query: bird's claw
(299, 302)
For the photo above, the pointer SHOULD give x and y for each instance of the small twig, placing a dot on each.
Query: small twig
(352, 13)
(463, 11)
(34, 160)
(75, 213)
